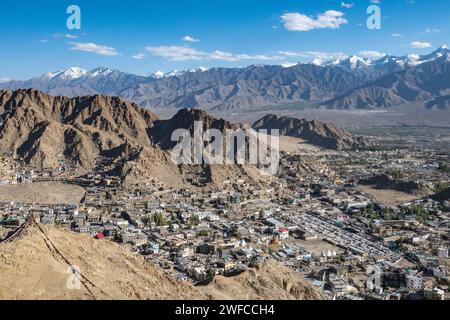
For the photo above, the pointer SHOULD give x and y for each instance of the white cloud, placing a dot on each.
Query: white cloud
(190, 39)
(347, 5)
(372, 54)
(65, 36)
(396, 35)
(314, 55)
(227, 56)
(43, 41)
(177, 53)
(420, 45)
(330, 19)
(5, 79)
(94, 48)
(139, 56)
(431, 30)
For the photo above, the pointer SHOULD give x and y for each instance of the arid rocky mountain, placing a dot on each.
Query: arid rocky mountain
(161, 134)
(185, 119)
(314, 132)
(36, 266)
(44, 131)
(352, 83)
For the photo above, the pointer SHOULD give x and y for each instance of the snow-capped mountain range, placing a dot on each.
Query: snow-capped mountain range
(174, 73)
(324, 83)
(354, 62)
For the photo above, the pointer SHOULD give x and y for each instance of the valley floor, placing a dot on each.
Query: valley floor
(407, 115)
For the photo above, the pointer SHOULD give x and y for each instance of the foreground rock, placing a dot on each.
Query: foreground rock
(36, 265)
(269, 281)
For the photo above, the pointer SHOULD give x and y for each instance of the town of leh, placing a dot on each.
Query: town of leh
(122, 182)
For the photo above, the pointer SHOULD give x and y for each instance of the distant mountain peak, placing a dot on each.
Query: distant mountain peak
(351, 63)
(199, 69)
(289, 64)
(158, 74)
(101, 71)
(68, 74)
(175, 73)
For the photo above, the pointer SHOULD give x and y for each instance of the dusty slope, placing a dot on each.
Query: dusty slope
(32, 269)
(43, 192)
(269, 281)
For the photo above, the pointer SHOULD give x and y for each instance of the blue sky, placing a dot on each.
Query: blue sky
(145, 36)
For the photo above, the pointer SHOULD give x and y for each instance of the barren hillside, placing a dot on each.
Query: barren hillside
(31, 269)
(269, 281)
(36, 266)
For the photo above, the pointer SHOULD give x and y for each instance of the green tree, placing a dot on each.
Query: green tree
(444, 167)
(420, 213)
(159, 219)
(441, 186)
(210, 274)
(145, 220)
(370, 209)
(396, 174)
(371, 224)
(203, 233)
(261, 214)
(195, 220)
(237, 235)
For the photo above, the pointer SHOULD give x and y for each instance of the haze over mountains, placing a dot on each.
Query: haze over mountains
(352, 83)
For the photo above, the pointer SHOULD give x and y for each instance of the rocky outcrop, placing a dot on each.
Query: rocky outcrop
(314, 132)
